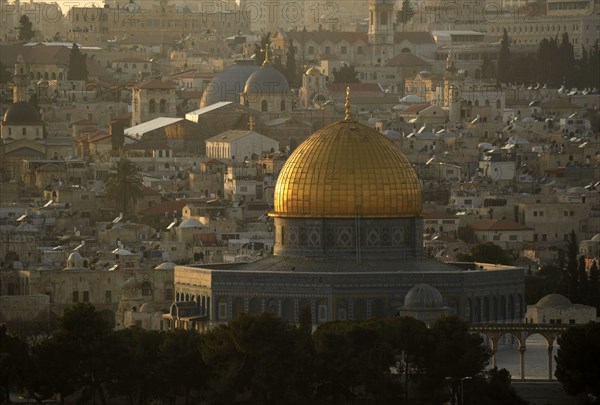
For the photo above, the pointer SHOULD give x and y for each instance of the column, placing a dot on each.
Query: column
(550, 347)
(522, 355)
(494, 350)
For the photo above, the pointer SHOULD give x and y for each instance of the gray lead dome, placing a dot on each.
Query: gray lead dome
(423, 296)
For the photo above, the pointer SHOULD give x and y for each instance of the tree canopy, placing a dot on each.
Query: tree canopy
(577, 367)
(345, 74)
(125, 185)
(255, 359)
(77, 64)
(25, 28)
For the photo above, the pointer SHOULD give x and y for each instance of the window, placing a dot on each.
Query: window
(571, 321)
(344, 50)
(263, 106)
(75, 296)
(152, 106)
(544, 237)
(359, 50)
(163, 105)
(572, 213)
(86, 296)
(535, 213)
(541, 213)
(24, 131)
(496, 237)
(311, 50)
(327, 50)
(512, 237)
(222, 311)
(282, 105)
(322, 312)
(108, 297)
(243, 189)
(535, 237)
(146, 289)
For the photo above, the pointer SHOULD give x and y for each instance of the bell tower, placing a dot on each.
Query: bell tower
(20, 79)
(381, 29)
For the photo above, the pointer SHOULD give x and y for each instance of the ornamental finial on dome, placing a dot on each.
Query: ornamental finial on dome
(347, 103)
(267, 60)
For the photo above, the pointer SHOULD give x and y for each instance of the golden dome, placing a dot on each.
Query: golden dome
(313, 71)
(347, 169)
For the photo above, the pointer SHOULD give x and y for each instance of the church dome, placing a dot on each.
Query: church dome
(229, 83)
(267, 81)
(423, 296)
(553, 300)
(313, 71)
(22, 113)
(344, 170)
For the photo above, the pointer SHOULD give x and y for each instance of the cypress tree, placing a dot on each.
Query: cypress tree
(504, 65)
(77, 65)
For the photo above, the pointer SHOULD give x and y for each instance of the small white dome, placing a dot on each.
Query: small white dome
(553, 300)
(596, 237)
(165, 266)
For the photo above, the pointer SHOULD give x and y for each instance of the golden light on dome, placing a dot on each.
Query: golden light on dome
(344, 170)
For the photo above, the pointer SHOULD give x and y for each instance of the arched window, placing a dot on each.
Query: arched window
(146, 289)
(282, 106)
(53, 76)
(152, 106)
(38, 76)
(498, 104)
(45, 75)
(163, 105)
(60, 75)
(263, 106)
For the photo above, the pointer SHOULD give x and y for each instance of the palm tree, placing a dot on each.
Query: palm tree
(124, 184)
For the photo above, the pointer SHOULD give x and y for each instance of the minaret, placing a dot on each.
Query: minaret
(20, 80)
(381, 29)
(452, 94)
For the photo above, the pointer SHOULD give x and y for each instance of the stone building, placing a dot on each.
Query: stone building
(348, 229)
(153, 99)
(557, 309)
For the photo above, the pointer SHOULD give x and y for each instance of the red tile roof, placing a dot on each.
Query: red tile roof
(156, 84)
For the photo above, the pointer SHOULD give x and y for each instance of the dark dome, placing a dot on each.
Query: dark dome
(423, 296)
(228, 84)
(22, 113)
(267, 81)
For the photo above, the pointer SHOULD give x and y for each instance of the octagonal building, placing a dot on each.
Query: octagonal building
(348, 245)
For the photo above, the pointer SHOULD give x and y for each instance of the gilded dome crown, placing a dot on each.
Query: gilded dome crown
(345, 170)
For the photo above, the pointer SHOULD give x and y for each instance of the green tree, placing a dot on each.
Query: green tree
(184, 370)
(492, 387)
(346, 74)
(488, 69)
(13, 360)
(576, 365)
(252, 359)
(125, 185)
(52, 370)
(291, 66)
(84, 335)
(566, 60)
(571, 267)
(594, 287)
(405, 14)
(25, 29)
(504, 62)
(135, 367)
(466, 233)
(453, 352)
(77, 64)
(490, 253)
